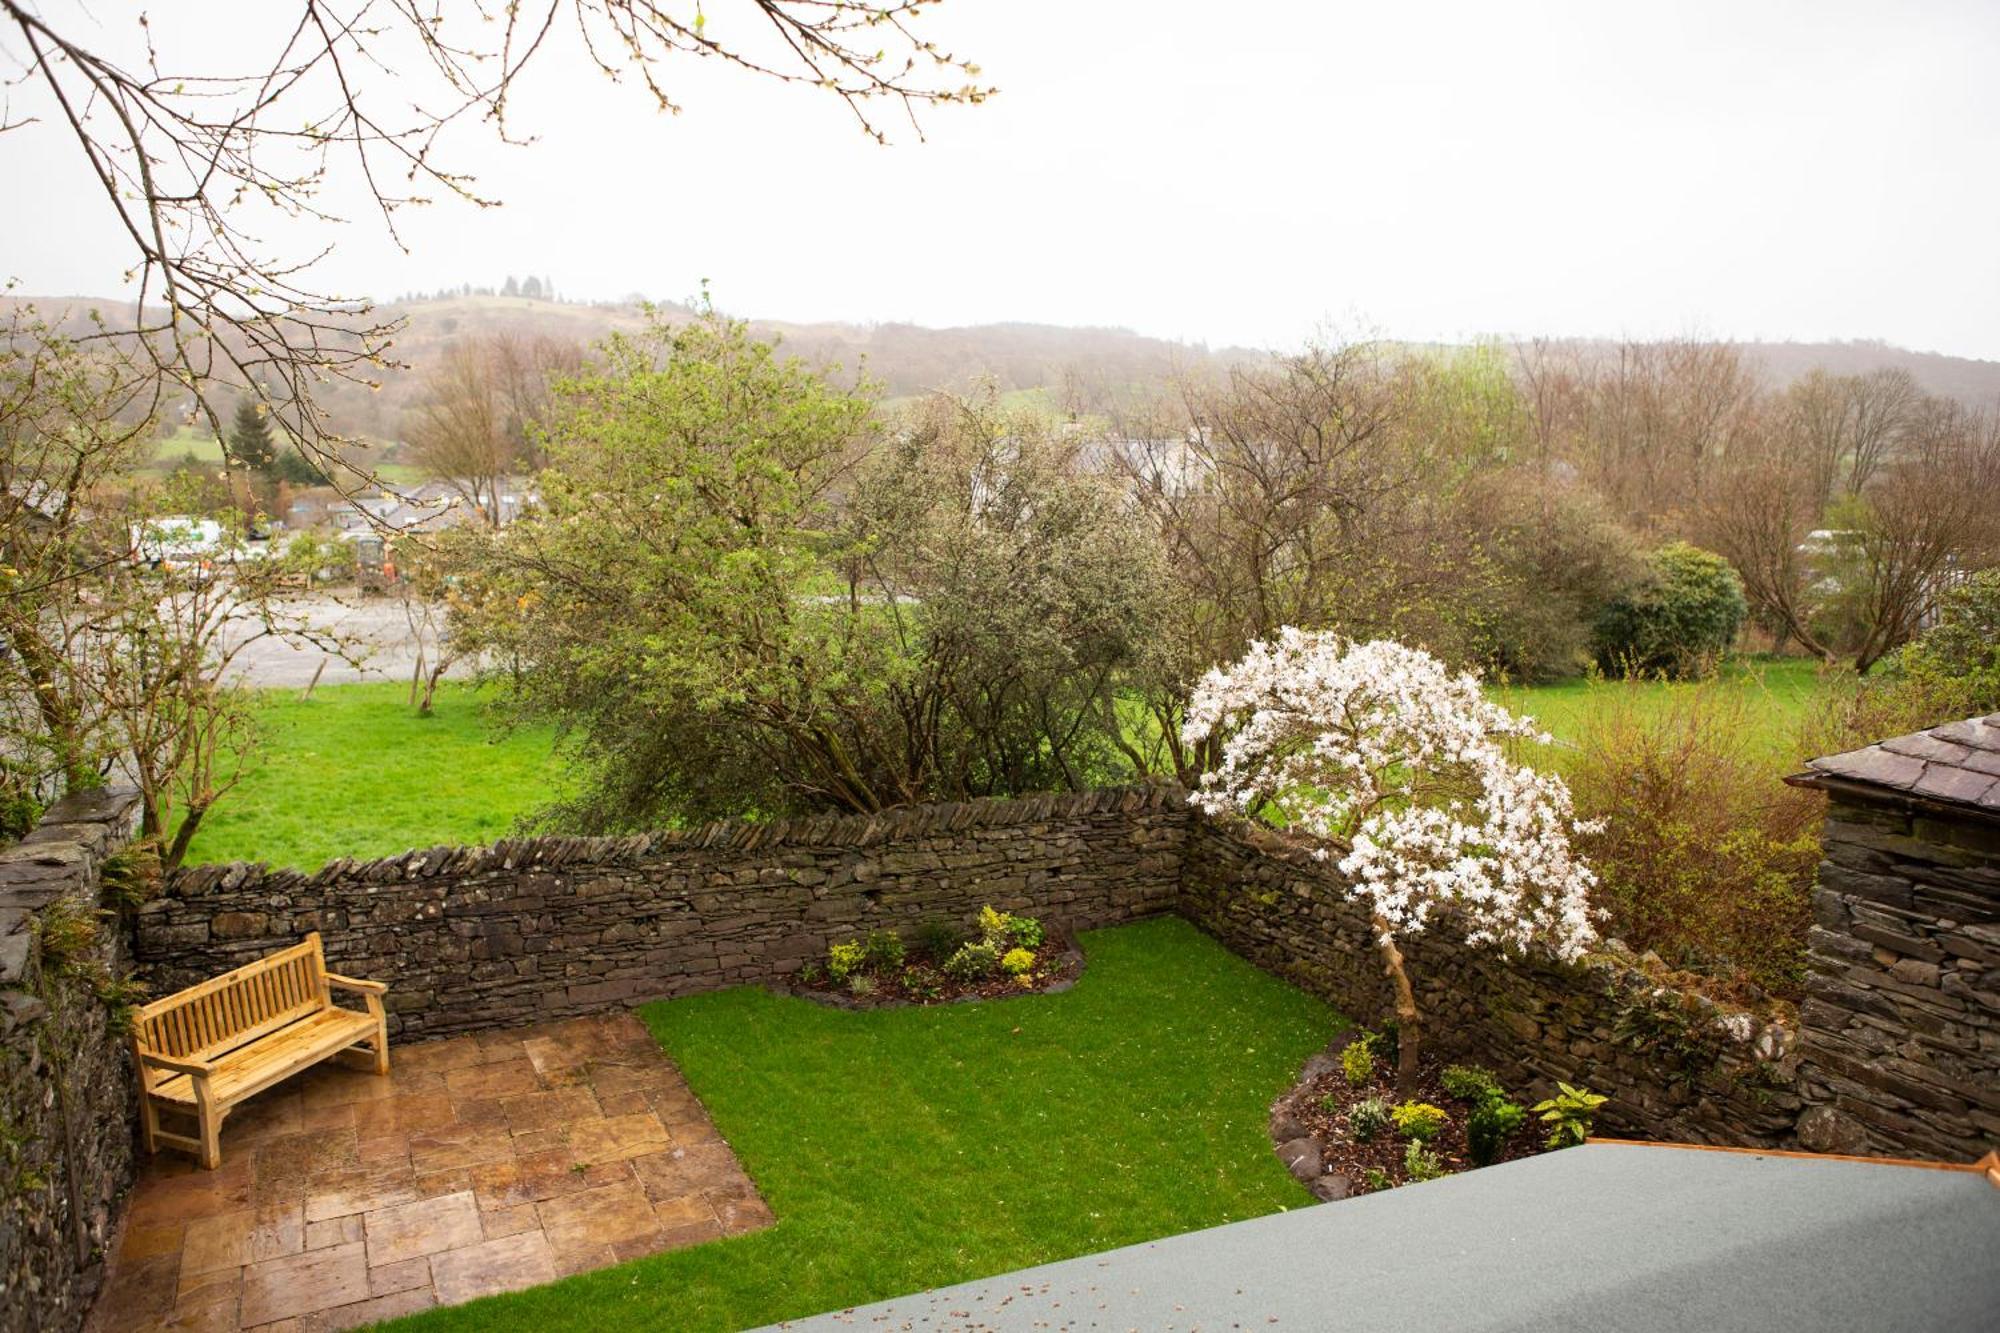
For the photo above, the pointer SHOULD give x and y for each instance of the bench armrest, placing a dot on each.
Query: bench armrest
(192, 1068)
(356, 983)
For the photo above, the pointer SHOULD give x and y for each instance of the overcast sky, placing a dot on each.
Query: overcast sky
(1235, 173)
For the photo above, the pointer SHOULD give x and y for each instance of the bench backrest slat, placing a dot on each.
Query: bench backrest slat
(237, 1007)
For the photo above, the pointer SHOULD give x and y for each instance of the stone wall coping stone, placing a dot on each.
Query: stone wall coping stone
(556, 852)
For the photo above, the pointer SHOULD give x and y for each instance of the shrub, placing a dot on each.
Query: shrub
(1017, 962)
(1492, 1123)
(861, 984)
(1375, 1178)
(993, 926)
(1026, 931)
(973, 962)
(883, 951)
(1419, 1121)
(1357, 1063)
(1470, 1083)
(1958, 658)
(1569, 1114)
(937, 939)
(19, 810)
(1678, 620)
(843, 959)
(1702, 853)
(1420, 1163)
(1367, 1118)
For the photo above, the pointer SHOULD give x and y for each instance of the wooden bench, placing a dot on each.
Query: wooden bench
(203, 1050)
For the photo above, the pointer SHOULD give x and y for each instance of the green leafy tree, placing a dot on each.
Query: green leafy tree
(740, 599)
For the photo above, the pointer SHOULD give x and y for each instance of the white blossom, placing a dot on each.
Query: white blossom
(1375, 752)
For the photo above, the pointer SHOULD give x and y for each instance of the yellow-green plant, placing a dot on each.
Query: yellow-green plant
(1017, 962)
(1569, 1114)
(1418, 1121)
(1357, 1062)
(843, 958)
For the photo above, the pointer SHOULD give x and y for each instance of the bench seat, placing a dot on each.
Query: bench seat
(204, 1050)
(273, 1057)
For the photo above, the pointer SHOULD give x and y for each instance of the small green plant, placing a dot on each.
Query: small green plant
(972, 962)
(1420, 1163)
(936, 939)
(811, 973)
(1026, 931)
(1569, 1114)
(123, 996)
(1017, 962)
(1357, 1062)
(1470, 1083)
(1375, 1178)
(1384, 1043)
(860, 984)
(1420, 1122)
(131, 876)
(1489, 1127)
(883, 951)
(842, 960)
(67, 932)
(922, 983)
(1367, 1118)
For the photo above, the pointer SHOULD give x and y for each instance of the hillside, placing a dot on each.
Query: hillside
(1085, 369)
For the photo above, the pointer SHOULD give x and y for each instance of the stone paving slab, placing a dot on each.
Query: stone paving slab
(481, 1164)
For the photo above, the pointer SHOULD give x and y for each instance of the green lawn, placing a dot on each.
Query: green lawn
(356, 771)
(911, 1148)
(1774, 693)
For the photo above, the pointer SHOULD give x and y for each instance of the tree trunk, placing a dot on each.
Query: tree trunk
(1406, 1011)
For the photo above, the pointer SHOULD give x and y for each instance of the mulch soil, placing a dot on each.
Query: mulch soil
(1340, 1153)
(1058, 964)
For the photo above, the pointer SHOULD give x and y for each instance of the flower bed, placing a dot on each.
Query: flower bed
(1006, 955)
(1343, 1129)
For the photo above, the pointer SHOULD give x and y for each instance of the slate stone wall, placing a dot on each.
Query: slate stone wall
(66, 1085)
(1902, 1014)
(1675, 1065)
(483, 937)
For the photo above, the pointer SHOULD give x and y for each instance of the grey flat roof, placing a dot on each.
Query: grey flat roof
(1958, 763)
(1602, 1237)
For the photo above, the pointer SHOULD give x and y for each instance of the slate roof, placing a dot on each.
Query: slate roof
(1632, 1237)
(1958, 763)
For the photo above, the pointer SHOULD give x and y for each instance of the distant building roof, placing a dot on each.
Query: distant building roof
(1956, 764)
(1609, 1235)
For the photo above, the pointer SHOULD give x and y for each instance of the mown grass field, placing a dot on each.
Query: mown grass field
(356, 771)
(902, 1149)
(1773, 696)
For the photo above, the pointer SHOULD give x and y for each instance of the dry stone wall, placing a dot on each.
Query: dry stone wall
(527, 930)
(66, 1085)
(1902, 1011)
(1675, 1065)
(1899, 1040)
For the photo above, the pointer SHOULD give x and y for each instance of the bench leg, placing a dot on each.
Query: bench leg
(381, 1016)
(209, 1117)
(149, 1122)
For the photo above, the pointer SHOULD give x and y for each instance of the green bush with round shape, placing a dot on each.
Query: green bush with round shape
(1419, 1122)
(1678, 621)
(973, 962)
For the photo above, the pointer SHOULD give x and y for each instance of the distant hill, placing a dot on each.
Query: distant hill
(1084, 369)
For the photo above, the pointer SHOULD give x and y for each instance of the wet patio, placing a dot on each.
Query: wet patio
(481, 1164)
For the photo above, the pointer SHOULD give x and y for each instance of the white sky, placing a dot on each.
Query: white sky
(1236, 173)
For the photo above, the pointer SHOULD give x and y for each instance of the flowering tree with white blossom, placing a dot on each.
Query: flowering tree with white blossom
(1377, 754)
